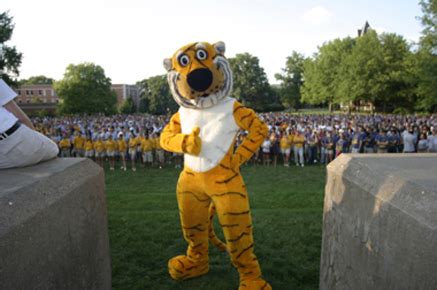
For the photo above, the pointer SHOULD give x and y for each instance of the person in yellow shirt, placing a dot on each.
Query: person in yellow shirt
(65, 145)
(147, 145)
(122, 146)
(111, 147)
(285, 147)
(78, 144)
(298, 142)
(99, 148)
(159, 151)
(133, 143)
(89, 147)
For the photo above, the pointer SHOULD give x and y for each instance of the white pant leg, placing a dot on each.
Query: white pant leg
(301, 155)
(26, 147)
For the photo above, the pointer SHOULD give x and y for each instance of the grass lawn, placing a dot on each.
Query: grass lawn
(144, 228)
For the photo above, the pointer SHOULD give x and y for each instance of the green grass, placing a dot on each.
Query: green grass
(144, 228)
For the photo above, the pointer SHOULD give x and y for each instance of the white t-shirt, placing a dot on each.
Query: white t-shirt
(7, 119)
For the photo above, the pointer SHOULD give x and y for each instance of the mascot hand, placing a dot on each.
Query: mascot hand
(236, 161)
(193, 143)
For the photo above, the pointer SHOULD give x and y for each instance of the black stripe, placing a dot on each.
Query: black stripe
(245, 250)
(247, 148)
(227, 180)
(189, 173)
(237, 213)
(265, 285)
(239, 237)
(195, 196)
(229, 193)
(225, 167)
(237, 108)
(245, 116)
(197, 228)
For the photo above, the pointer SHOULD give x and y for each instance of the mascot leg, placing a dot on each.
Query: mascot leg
(232, 204)
(211, 233)
(193, 210)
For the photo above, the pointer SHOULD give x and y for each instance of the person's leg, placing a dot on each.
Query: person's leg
(193, 211)
(296, 155)
(26, 147)
(301, 158)
(230, 198)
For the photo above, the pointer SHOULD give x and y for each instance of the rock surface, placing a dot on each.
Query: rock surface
(380, 222)
(53, 227)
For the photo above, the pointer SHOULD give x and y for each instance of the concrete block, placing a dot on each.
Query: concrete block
(53, 227)
(380, 222)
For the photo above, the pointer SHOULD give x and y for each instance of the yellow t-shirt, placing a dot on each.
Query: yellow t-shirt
(156, 144)
(122, 145)
(133, 142)
(111, 145)
(285, 142)
(298, 141)
(64, 143)
(147, 145)
(78, 142)
(88, 145)
(99, 146)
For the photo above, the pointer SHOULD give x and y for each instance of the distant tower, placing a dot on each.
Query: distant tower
(364, 30)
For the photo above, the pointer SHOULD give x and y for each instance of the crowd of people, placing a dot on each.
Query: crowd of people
(293, 139)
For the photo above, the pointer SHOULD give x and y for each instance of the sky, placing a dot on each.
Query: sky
(130, 38)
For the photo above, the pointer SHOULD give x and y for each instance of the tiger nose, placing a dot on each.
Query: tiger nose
(200, 79)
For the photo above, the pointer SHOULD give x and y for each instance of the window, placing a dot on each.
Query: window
(19, 92)
(40, 92)
(19, 101)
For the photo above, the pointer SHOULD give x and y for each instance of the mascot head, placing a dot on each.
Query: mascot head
(199, 75)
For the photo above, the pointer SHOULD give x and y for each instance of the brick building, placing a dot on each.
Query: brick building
(33, 98)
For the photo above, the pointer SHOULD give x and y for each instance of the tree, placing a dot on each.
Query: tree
(37, 80)
(144, 105)
(251, 86)
(323, 72)
(128, 106)
(427, 58)
(85, 89)
(10, 58)
(291, 80)
(157, 92)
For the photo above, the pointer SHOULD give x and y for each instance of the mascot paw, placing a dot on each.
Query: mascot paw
(257, 284)
(182, 268)
(193, 143)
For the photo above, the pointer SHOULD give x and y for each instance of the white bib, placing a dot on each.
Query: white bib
(217, 132)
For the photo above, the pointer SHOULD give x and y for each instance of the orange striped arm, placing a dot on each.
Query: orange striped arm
(247, 120)
(171, 137)
(174, 141)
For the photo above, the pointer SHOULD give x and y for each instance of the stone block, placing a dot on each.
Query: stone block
(380, 222)
(53, 227)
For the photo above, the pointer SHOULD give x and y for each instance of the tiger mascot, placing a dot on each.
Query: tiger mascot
(204, 130)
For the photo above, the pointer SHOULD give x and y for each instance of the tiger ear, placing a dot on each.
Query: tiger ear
(167, 64)
(220, 47)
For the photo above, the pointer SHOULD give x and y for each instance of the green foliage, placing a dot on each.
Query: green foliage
(144, 228)
(37, 80)
(323, 73)
(427, 58)
(251, 86)
(144, 105)
(292, 80)
(85, 89)
(10, 58)
(157, 92)
(128, 106)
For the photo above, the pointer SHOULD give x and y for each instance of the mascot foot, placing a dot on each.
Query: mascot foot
(182, 268)
(256, 284)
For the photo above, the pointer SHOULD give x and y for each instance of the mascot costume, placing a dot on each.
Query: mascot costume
(204, 130)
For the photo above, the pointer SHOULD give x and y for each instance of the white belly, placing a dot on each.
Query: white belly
(217, 132)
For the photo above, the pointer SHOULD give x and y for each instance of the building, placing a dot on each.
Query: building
(124, 91)
(34, 98)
